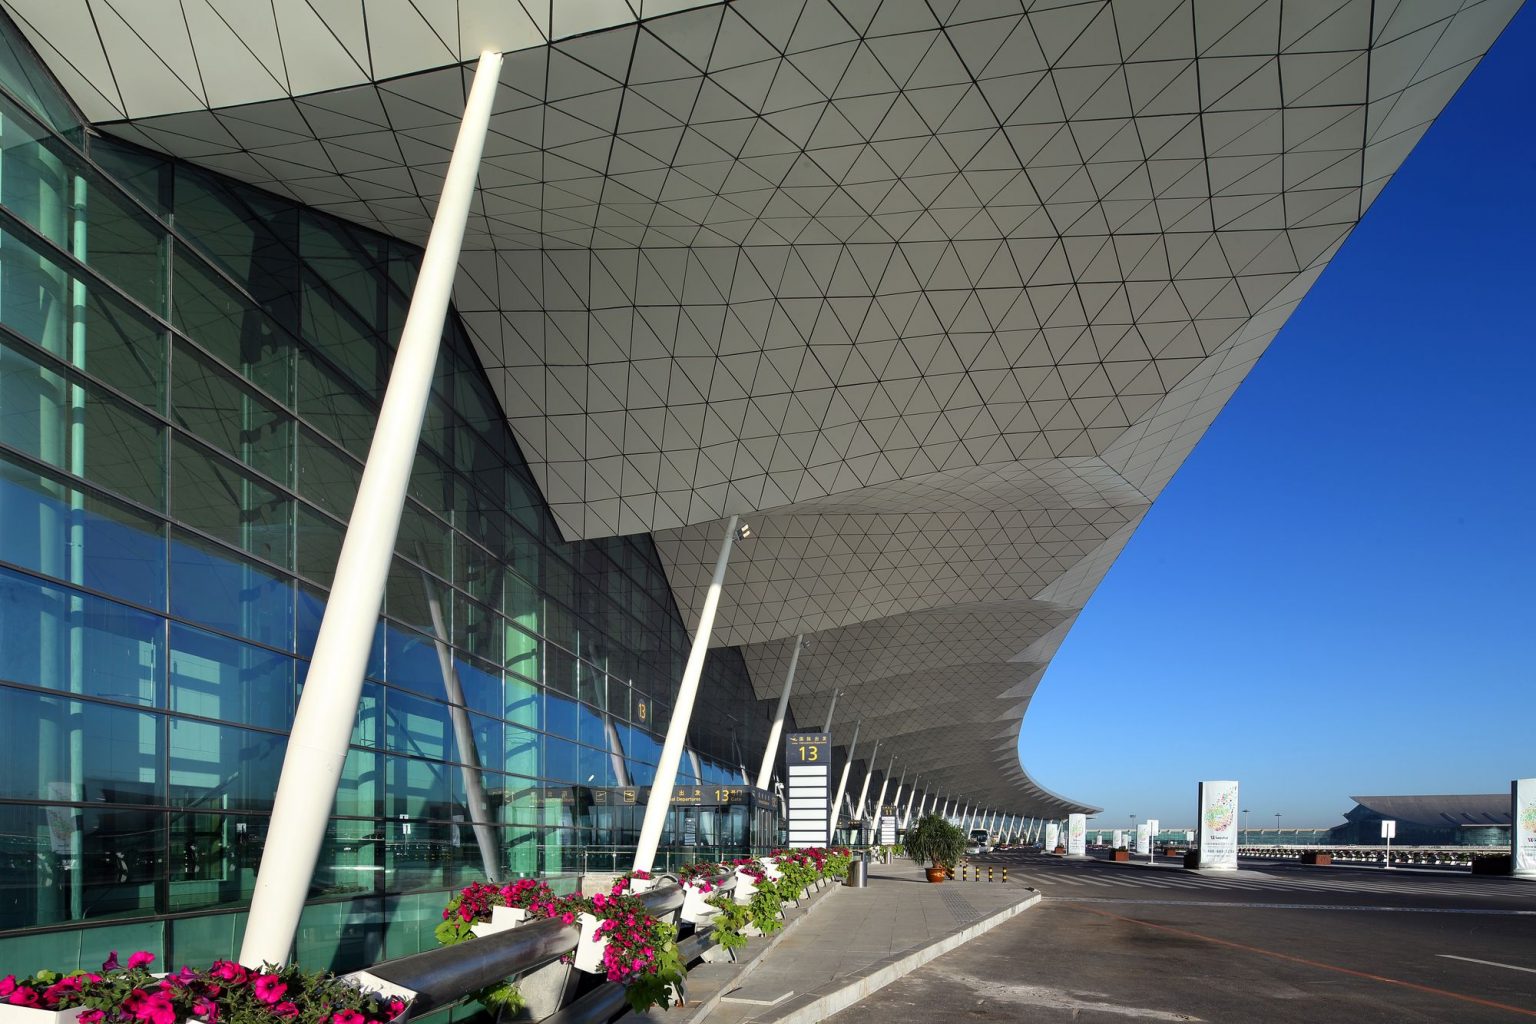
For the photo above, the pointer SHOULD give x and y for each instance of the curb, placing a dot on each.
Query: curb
(861, 987)
(701, 1010)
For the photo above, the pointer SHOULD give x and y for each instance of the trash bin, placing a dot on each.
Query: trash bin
(858, 874)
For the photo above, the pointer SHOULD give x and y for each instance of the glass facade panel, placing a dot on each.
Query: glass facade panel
(190, 374)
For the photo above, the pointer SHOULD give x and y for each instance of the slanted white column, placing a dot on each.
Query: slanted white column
(885, 780)
(322, 724)
(682, 710)
(771, 751)
(827, 726)
(842, 782)
(906, 818)
(869, 773)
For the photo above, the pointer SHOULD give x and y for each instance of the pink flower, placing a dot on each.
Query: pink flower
(269, 988)
(91, 1017)
(229, 971)
(568, 917)
(396, 1008)
(23, 997)
(111, 964)
(140, 959)
(285, 1010)
(347, 1017)
(206, 1009)
(7, 985)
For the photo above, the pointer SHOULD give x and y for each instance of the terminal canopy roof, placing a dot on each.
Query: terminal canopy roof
(939, 293)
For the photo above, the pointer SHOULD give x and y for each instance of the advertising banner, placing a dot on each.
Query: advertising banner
(1217, 826)
(1052, 835)
(1119, 840)
(1077, 835)
(1522, 814)
(1143, 844)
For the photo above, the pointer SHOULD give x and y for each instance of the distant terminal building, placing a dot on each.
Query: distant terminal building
(1478, 819)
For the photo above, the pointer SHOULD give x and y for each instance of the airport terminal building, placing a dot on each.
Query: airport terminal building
(936, 296)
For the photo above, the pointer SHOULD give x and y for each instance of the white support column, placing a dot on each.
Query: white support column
(864, 789)
(906, 818)
(827, 726)
(682, 712)
(770, 753)
(885, 781)
(322, 725)
(842, 783)
(901, 785)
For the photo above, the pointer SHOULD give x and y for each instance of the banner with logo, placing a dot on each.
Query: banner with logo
(1052, 835)
(1077, 835)
(1217, 826)
(1143, 840)
(1522, 814)
(1119, 840)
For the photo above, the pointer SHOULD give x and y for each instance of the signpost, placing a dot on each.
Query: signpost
(887, 826)
(808, 760)
(1522, 830)
(1388, 833)
(1217, 826)
(1077, 835)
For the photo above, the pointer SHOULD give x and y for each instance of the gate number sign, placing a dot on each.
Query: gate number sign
(807, 759)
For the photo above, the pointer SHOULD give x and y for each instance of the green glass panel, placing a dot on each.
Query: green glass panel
(212, 403)
(219, 318)
(216, 496)
(24, 75)
(59, 418)
(217, 767)
(50, 526)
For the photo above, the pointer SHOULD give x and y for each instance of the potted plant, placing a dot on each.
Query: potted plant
(1121, 853)
(937, 844)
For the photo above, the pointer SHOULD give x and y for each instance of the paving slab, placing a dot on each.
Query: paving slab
(862, 940)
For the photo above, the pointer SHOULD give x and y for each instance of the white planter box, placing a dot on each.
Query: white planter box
(771, 868)
(639, 885)
(695, 909)
(746, 888)
(502, 919)
(29, 1015)
(591, 946)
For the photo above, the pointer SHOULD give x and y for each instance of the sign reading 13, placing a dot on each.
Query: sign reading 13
(807, 748)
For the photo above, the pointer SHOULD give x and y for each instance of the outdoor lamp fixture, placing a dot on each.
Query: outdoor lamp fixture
(744, 531)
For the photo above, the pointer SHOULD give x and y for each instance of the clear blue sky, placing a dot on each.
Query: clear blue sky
(1334, 596)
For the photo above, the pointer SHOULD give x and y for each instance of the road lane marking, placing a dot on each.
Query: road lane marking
(1488, 963)
(1415, 986)
(1287, 906)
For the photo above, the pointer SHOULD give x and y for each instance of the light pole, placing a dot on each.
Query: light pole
(1245, 821)
(1277, 828)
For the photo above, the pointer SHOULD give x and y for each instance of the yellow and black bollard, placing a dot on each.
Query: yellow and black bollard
(1005, 876)
(989, 873)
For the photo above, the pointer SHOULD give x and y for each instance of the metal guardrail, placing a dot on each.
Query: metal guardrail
(1453, 856)
(447, 975)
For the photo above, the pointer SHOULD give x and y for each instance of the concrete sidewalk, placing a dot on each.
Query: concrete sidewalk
(862, 940)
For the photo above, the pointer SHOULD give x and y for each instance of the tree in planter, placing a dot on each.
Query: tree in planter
(935, 842)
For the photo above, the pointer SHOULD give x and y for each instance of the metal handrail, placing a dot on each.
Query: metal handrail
(444, 976)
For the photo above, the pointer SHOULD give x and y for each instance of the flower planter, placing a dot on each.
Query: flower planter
(696, 908)
(771, 868)
(591, 946)
(1120, 855)
(1313, 857)
(10, 1014)
(637, 886)
(502, 919)
(746, 888)
(936, 874)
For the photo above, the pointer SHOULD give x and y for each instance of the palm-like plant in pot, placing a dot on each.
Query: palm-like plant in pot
(936, 843)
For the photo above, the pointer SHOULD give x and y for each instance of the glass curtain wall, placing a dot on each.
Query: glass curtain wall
(190, 370)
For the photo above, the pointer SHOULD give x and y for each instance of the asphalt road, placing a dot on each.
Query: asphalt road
(1274, 943)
